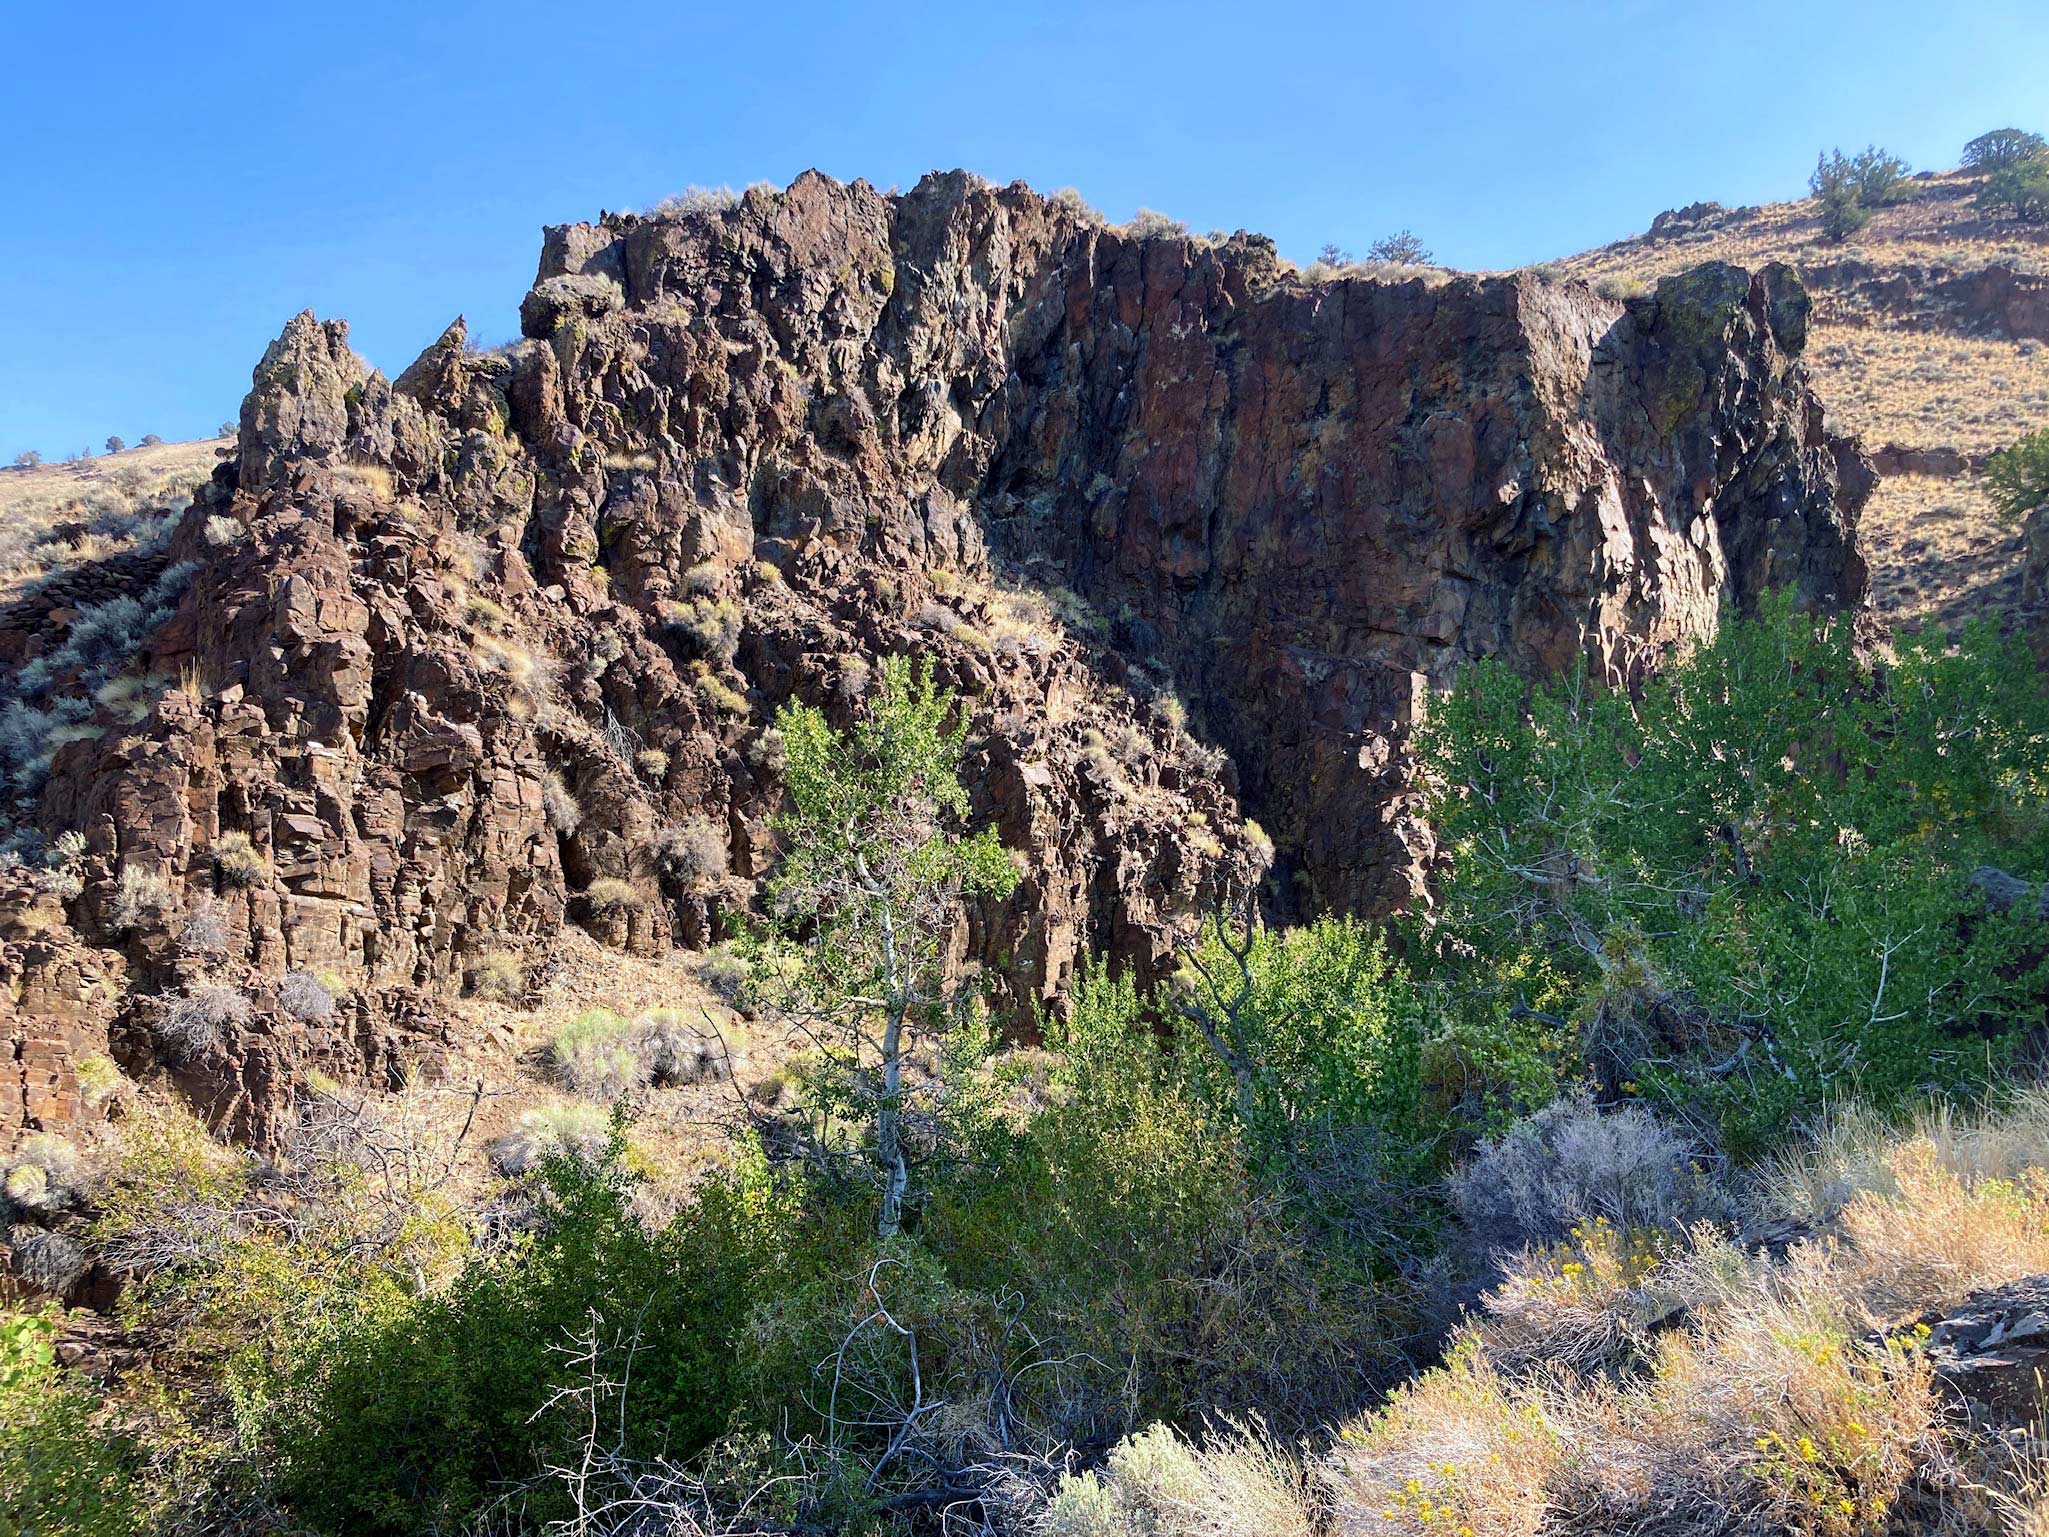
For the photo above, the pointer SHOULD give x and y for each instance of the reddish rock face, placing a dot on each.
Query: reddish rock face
(740, 453)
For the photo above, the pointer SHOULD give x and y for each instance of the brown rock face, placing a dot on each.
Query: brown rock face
(466, 656)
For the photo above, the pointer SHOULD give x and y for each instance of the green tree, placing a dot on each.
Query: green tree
(1753, 881)
(2021, 188)
(150, 440)
(870, 887)
(2003, 147)
(2018, 475)
(115, 444)
(1402, 248)
(1881, 176)
(1835, 186)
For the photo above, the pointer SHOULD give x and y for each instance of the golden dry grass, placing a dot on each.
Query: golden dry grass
(106, 499)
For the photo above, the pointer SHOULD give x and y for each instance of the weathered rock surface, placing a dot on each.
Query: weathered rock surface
(1992, 1350)
(1101, 480)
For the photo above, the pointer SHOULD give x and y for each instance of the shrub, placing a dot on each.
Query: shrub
(1622, 290)
(2003, 147)
(1667, 852)
(575, 1133)
(692, 851)
(140, 897)
(678, 1049)
(1156, 1484)
(190, 1024)
(204, 930)
(1835, 185)
(2018, 476)
(1147, 224)
(1401, 248)
(302, 995)
(696, 202)
(100, 1079)
(598, 1054)
(60, 1475)
(44, 1260)
(28, 459)
(1571, 1164)
(2022, 189)
(1072, 202)
(41, 1175)
(221, 532)
(709, 626)
(150, 440)
(415, 1414)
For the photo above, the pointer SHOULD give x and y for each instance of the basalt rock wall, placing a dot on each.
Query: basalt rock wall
(496, 646)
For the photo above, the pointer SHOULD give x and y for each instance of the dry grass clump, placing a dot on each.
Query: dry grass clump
(578, 1132)
(40, 1176)
(237, 861)
(305, 997)
(558, 804)
(1156, 1484)
(608, 895)
(499, 977)
(692, 851)
(140, 897)
(1767, 1411)
(607, 1056)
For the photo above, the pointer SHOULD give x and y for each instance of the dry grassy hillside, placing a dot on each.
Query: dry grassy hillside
(1929, 335)
(57, 514)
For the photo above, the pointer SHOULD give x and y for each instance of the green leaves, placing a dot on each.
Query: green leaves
(2018, 476)
(1769, 849)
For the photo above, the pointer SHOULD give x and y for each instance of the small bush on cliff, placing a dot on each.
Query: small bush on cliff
(237, 862)
(2018, 476)
(140, 897)
(1751, 884)
(692, 852)
(1834, 185)
(558, 804)
(191, 1023)
(305, 998)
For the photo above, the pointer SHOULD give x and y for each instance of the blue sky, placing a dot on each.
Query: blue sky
(182, 178)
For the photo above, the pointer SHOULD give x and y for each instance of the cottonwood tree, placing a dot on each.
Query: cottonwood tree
(872, 880)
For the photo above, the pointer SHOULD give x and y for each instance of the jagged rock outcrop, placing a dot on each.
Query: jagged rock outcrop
(467, 656)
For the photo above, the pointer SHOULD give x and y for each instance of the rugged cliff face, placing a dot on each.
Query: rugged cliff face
(496, 646)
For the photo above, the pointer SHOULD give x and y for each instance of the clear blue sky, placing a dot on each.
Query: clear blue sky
(182, 178)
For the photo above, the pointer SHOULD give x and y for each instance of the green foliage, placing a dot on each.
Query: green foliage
(60, 1475)
(404, 1413)
(866, 896)
(2003, 147)
(1757, 873)
(1330, 1029)
(2018, 475)
(2021, 188)
(1849, 187)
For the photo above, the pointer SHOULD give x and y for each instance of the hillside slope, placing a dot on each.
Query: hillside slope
(1930, 342)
